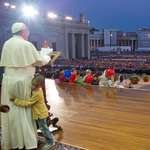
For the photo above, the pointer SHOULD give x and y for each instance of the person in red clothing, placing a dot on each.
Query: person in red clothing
(73, 77)
(62, 77)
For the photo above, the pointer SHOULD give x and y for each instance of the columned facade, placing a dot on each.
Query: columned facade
(66, 36)
(87, 54)
(77, 46)
(66, 45)
(73, 45)
(82, 46)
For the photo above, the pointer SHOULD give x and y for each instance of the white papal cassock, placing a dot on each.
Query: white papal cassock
(19, 57)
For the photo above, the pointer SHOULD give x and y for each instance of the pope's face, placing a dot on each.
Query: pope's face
(25, 33)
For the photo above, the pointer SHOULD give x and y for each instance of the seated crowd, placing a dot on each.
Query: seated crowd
(79, 76)
(131, 62)
(123, 63)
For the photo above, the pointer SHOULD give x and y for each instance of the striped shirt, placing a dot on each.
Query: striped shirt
(39, 109)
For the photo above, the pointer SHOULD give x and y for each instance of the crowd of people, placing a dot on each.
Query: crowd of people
(121, 54)
(80, 77)
(123, 63)
(127, 62)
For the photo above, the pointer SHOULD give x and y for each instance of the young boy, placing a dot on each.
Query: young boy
(95, 80)
(62, 77)
(88, 71)
(39, 109)
(112, 81)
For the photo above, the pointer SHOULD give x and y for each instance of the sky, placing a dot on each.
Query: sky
(128, 15)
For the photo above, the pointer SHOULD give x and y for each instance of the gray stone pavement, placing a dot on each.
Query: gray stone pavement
(142, 85)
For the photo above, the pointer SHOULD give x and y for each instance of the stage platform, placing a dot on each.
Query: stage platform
(100, 118)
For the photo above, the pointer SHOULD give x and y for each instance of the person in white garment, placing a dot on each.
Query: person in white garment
(104, 79)
(19, 57)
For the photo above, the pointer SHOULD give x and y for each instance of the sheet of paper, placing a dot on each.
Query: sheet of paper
(51, 128)
(45, 51)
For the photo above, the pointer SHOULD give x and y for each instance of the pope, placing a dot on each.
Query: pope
(19, 57)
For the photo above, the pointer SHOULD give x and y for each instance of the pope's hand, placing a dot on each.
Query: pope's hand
(50, 54)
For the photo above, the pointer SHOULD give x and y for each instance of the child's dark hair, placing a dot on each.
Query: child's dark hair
(60, 70)
(57, 72)
(80, 74)
(95, 75)
(115, 79)
(72, 69)
(121, 78)
(39, 78)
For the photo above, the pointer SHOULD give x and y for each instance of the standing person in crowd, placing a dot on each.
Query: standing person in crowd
(88, 71)
(73, 77)
(39, 109)
(19, 57)
(112, 81)
(80, 77)
(62, 77)
(104, 79)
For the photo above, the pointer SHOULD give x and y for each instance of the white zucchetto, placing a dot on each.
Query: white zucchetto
(17, 27)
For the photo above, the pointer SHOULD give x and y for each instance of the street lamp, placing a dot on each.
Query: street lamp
(29, 11)
(51, 15)
(8, 6)
(13, 6)
(68, 18)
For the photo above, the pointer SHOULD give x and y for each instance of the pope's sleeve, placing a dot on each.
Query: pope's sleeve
(40, 60)
(46, 59)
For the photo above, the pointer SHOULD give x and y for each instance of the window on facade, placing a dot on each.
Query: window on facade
(54, 46)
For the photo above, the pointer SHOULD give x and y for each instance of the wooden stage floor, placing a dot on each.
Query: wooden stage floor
(100, 118)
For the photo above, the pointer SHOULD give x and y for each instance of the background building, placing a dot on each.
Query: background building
(112, 39)
(144, 39)
(74, 38)
(46, 30)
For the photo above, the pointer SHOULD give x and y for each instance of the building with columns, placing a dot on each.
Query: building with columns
(112, 39)
(69, 36)
(74, 38)
(144, 39)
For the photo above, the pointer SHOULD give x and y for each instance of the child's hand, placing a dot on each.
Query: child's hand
(12, 98)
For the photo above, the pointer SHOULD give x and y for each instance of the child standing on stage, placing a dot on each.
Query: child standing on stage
(62, 77)
(73, 77)
(112, 81)
(121, 83)
(88, 71)
(39, 109)
(103, 79)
